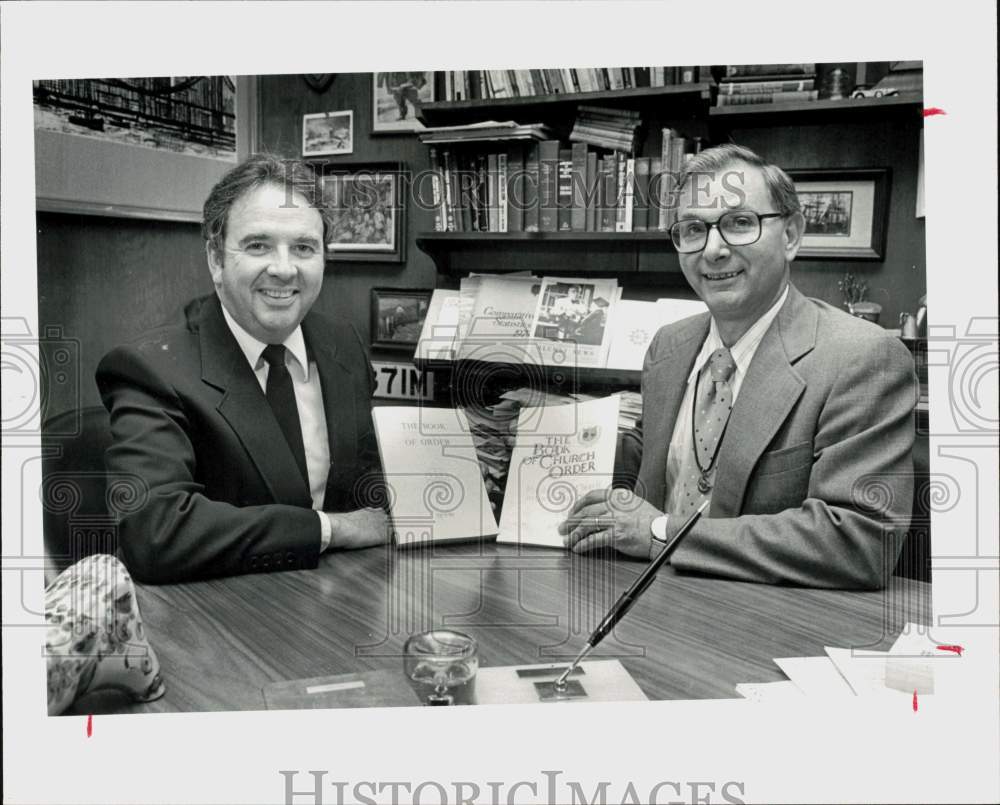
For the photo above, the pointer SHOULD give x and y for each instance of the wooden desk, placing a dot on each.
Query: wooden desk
(689, 637)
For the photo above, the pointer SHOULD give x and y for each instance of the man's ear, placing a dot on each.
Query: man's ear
(795, 228)
(214, 262)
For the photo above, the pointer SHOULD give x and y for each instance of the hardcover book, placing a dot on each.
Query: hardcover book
(548, 185)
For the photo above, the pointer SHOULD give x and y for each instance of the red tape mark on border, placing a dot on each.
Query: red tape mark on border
(90, 726)
(914, 701)
(956, 649)
(933, 110)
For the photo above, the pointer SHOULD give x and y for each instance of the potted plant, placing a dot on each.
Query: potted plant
(854, 291)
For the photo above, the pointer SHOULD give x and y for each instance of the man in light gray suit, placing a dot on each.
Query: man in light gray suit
(792, 418)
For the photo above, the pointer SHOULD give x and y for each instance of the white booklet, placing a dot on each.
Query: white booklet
(435, 482)
(437, 337)
(561, 453)
(499, 323)
(633, 325)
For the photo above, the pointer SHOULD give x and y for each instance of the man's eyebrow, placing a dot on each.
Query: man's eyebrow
(310, 239)
(252, 237)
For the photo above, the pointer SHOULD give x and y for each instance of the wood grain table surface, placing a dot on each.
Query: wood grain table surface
(219, 642)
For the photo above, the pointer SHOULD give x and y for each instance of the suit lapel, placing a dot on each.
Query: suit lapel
(666, 382)
(768, 394)
(245, 408)
(338, 385)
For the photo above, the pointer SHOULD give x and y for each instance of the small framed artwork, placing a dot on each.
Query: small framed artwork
(368, 213)
(397, 317)
(846, 212)
(328, 134)
(397, 98)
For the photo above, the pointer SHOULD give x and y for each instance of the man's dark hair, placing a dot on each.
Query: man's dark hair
(292, 175)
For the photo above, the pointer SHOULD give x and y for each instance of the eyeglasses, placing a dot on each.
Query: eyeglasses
(737, 228)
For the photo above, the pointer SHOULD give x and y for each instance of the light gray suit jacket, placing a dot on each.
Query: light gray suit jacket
(814, 483)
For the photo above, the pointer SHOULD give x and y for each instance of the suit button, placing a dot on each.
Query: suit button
(290, 558)
(277, 558)
(265, 562)
(253, 562)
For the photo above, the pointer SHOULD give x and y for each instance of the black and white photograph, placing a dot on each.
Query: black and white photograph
(827, 213)
(572, 312)
(397, 99)
(397, 317)
(241, 503)
(328, 134)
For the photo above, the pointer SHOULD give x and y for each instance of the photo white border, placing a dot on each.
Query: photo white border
(859, 751)
(330, 152)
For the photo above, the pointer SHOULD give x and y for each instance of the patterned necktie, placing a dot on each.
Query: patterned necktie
(281, 396)
(713, 402)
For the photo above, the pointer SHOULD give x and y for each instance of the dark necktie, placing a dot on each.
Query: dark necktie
(713, 402)
(281, 396)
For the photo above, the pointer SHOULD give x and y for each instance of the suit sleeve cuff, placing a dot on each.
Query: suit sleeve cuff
(325, 531)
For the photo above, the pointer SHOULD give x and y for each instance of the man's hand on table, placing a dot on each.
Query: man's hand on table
(358, 529)
(610, 517)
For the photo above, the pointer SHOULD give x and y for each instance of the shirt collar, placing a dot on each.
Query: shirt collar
(744, 349)
(253, 349)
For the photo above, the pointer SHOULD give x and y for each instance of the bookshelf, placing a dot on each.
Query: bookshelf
(450, 113)
(597, 253)
(907, 103)
(685, 107)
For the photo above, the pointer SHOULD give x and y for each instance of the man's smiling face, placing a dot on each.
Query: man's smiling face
(738, 283)
(270, 270)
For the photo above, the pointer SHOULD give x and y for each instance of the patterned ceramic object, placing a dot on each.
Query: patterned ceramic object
(95, 637)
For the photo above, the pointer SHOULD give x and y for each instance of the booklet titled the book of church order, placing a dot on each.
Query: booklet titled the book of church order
(561, 453)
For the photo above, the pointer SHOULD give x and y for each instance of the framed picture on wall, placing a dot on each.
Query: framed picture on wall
(846, 212)
(397, 98)
(368, 211)
(397, 317)
(328, 133)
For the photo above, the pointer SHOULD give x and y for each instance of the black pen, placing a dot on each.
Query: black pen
(630, 596)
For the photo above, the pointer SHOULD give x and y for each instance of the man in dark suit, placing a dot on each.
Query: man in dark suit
(250, 421)
(792, 418)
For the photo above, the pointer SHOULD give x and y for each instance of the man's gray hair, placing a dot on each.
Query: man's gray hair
(292, 175)
(712, 161)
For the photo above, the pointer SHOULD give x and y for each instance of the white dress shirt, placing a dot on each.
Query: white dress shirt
(742, 351)
(308, 401)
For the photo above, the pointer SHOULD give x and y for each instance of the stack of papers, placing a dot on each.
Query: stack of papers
(492, 130)
(908, 668)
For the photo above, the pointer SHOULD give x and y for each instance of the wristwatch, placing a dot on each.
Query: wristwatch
(658, 528)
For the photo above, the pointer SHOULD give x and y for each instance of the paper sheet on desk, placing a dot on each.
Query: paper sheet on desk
(864, 672)
(769, 692)
(815, 676)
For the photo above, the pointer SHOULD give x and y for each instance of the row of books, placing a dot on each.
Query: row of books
(777, 83)
(544, 186)
(476, 85)
(546, 321)
(614, 129)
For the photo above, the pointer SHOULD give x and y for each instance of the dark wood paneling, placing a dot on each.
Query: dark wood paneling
(346, 288)
(102, 281)
(892, 141)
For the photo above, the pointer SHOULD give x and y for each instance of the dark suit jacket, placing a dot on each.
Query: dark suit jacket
(224, 493)
(815, 479)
